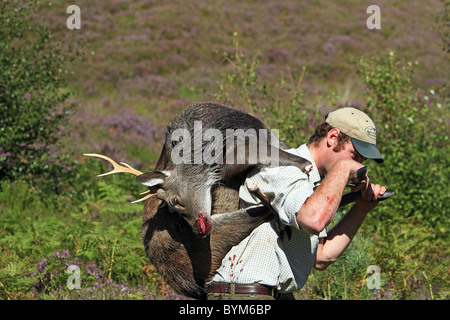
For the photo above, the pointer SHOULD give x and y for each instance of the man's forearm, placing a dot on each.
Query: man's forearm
(337, 240)
(317, 212)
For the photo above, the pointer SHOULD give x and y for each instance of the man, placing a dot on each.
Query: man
(263, 266)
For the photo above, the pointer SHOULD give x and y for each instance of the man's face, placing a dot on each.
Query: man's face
(328, 152)
(350, 148)
(348, 151)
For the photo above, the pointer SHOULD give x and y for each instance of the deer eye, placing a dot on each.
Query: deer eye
(176, 201)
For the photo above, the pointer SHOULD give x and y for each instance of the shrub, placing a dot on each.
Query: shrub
(413, 138)
(32, 80)
(412, 228)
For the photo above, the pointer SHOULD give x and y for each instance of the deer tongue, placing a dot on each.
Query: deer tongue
(203, 224)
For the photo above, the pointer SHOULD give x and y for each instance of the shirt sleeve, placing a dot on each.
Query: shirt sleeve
(288, 202)
(291, 188)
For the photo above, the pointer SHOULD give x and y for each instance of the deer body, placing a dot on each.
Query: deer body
(205, 145)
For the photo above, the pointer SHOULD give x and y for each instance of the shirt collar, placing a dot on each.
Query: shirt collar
(314, 176)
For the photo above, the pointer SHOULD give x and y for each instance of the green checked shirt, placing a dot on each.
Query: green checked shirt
(263, 257)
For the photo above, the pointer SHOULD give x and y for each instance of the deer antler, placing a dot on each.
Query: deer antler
(120, 169)
(117, 168)
(146, 197)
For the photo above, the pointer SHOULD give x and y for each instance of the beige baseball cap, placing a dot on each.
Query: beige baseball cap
(360, 128)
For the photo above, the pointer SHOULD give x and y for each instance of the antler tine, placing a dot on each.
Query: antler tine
(120, 169)
(117, 168)
(144, 198)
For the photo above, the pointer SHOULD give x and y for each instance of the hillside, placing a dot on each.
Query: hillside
(151, 59)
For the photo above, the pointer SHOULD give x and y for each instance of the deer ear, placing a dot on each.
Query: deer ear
(153, 178)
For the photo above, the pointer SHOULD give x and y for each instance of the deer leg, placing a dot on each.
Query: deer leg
(289, 159)
(229, 229)
(265, 199)
(276, 158)
(242, 222)
(357, 176)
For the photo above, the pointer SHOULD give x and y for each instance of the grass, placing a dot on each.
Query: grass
(40, 240)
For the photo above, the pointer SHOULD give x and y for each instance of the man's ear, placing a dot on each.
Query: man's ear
(333, 137)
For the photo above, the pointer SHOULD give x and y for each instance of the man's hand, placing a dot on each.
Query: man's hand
(369, 194)
(369, 191)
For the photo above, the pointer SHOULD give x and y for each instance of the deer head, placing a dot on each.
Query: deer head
(188, 195)
(185, 194)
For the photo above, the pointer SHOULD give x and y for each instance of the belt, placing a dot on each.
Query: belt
(222, 287)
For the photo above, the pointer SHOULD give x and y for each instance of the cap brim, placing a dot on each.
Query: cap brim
(367, 150)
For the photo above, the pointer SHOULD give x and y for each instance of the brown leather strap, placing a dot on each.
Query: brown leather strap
(241, 288)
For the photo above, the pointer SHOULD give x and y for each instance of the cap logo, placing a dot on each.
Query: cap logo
(371, 132)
